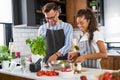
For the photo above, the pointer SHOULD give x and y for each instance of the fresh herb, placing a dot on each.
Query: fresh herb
(4, 55)
(37, 45)
(77, 48)
(3, 49)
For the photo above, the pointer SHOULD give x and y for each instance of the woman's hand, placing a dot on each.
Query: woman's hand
(72, 55)
(81, 59)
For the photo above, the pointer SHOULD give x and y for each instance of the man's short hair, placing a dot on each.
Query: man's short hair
(50, 6)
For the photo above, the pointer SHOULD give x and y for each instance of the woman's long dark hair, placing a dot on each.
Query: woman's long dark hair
(88, 14)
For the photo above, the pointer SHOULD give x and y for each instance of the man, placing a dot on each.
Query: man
(58, 34)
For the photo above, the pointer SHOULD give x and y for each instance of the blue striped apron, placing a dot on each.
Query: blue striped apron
(86, 48)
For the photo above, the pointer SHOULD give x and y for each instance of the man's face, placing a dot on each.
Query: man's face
(52, 17)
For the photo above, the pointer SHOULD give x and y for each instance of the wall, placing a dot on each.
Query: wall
(112, 20)
(20, 35)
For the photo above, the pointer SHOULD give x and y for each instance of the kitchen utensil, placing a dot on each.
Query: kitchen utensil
(59, 64)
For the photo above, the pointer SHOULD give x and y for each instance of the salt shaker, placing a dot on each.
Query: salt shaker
(79, 67)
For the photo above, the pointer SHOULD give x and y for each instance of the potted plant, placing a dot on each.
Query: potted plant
(37, 45)
(93, 4)
(5, 57)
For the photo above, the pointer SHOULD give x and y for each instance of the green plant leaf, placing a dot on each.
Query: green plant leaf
(3, 49)
(37, 45)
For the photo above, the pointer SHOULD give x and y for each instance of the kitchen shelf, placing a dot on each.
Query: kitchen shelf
(57, 1)
(38, 10)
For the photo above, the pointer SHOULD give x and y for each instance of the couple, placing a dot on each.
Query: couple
(59, 34)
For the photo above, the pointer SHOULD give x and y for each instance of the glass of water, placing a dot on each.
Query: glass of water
(23, 63)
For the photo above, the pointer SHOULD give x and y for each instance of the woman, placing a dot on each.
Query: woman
(91, 42)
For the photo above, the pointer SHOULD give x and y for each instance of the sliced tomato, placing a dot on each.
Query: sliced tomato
(66, 70)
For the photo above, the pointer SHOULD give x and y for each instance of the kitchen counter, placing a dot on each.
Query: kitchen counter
(113, 52)
(17, 74)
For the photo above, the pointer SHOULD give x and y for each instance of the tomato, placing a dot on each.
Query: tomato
(39, 73)
(83, 78)
(47, 73)
(101, 77)
(108, 78)
(107, 74)
(66, 70)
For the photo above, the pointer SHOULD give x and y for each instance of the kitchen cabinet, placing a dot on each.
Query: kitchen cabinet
(12, 77)
(107, 63)
(28, 12)
(40, 19)
(23, 11)
(72, 6)
(111, 62)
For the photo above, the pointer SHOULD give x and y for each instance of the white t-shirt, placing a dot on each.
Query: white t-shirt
(97, 36)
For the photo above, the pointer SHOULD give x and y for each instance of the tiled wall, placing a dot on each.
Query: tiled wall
(20, 35)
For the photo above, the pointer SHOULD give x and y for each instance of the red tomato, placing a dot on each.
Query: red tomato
(108, 78)
(83, 78)
(101, 77)
(39, 73)
(52, 73)
(47, 73)
(66, 70)
(107, 74)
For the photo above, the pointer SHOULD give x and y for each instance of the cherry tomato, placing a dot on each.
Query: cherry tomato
(47, 73)
(66, 70)
(83, 78)
(107, 74)
(108, 78)
(39, 73)
(101, 77)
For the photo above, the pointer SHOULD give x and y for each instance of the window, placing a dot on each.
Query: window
(5, 11)
(1, 34)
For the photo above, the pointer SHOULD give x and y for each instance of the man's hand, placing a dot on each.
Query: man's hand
(52, 58)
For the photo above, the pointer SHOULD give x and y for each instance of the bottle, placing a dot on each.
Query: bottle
(18, 54)
(11, 46)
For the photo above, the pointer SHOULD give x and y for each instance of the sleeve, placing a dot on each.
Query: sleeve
(68, 31)
(98, 36)
(42, 31)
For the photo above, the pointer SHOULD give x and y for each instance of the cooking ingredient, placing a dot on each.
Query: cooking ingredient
(66, 70)
(109, 76)
(37, 45)
(83, 77)
(47, 73)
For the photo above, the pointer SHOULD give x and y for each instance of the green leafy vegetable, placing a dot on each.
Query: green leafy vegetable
(3, 49)
(4, 55)
(37, 45)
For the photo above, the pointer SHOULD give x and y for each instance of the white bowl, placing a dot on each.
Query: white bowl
(66, 74)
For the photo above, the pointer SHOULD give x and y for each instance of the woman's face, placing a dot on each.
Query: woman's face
(83, 24)
(52, 17)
